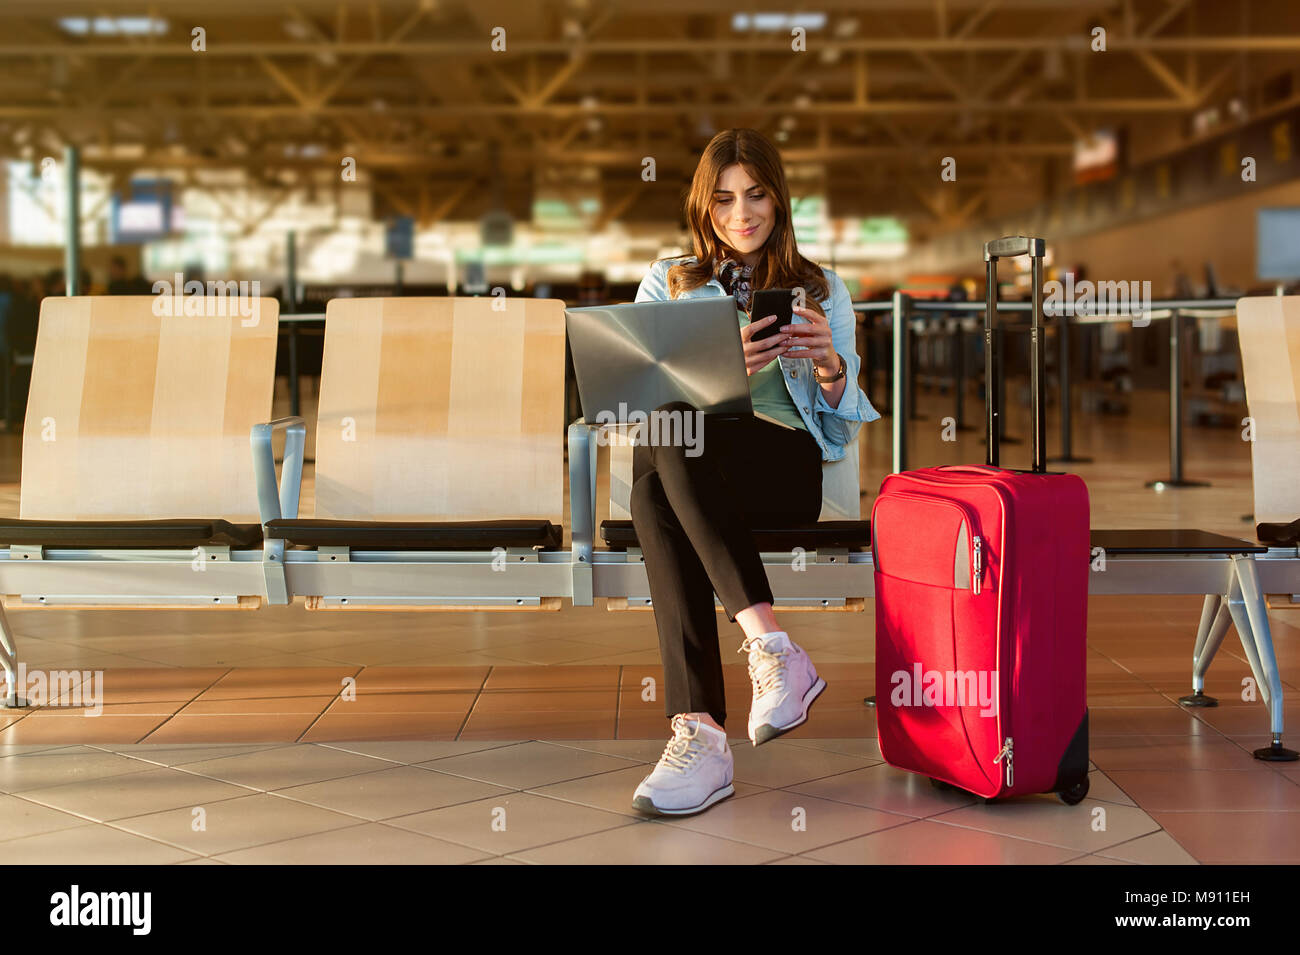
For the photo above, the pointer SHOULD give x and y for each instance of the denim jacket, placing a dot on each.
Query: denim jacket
(833, 428)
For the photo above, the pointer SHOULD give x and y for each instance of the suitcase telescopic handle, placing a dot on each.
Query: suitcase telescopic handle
(1011, 246)
(1008, 247)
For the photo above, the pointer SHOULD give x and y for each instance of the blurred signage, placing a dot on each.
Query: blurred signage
(497, 228)
(1096, 158)
(144, 213)
(1277, 251)
(399, 238)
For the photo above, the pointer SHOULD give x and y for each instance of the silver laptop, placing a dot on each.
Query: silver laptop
(630, 359)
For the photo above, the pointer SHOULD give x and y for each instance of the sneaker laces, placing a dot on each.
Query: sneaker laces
(680, 753)
(766, 669)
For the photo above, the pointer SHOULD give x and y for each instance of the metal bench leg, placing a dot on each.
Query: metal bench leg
(9, 660)
(1237, 605)
(1215, 619)
(1263, 661)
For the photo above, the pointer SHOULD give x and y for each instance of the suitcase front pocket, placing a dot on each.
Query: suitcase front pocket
(928, 541)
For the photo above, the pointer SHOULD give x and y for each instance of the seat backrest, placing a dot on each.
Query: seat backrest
(135, 415)
(1268, 329)
(441, 409)
(841, 487)
(840, 482)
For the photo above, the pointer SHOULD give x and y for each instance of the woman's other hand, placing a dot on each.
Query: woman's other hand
(813, 340)
(759, 354)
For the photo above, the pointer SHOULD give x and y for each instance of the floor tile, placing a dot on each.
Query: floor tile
(928, 843)
(528, 765)
(283, 767)
(1235, 837)
(133, 794)
(542, 724)
(885, 788)
(232, 728)
(385, 793)
(1209, 790)
(338, 727)
(179, 754)
(1089, 826)
(64, 765)
(648, 843)
(787, 821)
(90, 845)
(366, 844)
(1156, 848)
(413, 751)
(511, 822)
(783, 763)
(233, 824)
(21, 817)
(76, 728)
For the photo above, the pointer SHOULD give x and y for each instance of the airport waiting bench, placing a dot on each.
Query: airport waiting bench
(439, 482)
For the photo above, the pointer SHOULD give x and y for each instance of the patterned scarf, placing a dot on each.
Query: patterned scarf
(735, 278)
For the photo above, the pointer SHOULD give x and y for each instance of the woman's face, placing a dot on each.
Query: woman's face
(743, 212)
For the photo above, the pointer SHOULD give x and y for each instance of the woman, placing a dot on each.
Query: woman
(693, 514)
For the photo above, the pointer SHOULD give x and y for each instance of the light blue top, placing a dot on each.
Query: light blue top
(833, 428)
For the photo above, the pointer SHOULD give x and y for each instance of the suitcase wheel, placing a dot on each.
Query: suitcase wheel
(1075, 793)
(946, 787)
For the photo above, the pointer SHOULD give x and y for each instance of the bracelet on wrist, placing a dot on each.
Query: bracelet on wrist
(817, 376)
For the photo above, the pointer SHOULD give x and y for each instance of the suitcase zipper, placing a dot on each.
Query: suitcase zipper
(1007, 753)
(976, 564)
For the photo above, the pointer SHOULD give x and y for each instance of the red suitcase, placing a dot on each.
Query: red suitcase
(981, 606)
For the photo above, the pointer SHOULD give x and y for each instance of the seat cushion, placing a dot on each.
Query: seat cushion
(854, 535)
(1279, 535)
(418, 535)
(1171, 541)
(177, 532)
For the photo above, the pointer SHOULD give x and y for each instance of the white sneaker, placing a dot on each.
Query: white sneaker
(785, 685)
(694, 772)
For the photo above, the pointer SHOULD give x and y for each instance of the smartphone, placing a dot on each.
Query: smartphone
(771, 301)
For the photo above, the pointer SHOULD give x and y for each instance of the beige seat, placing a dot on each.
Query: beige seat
(1269, 332)
(439, 459)
(137, 489)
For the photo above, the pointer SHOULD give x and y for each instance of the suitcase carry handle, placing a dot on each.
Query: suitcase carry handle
(1011, 247)
(976, 468)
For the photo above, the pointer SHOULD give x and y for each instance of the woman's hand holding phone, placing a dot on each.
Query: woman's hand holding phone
(813, 340)
(759, 354)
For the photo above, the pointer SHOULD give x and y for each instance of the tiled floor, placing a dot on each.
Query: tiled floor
(287, 736)
(797, 801)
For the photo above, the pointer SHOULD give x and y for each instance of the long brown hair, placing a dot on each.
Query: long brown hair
(780, 265)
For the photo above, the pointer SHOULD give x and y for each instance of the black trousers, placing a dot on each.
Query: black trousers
(694, 516)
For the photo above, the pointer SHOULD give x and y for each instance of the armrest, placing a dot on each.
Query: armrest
(282, 502)
(583, 451)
